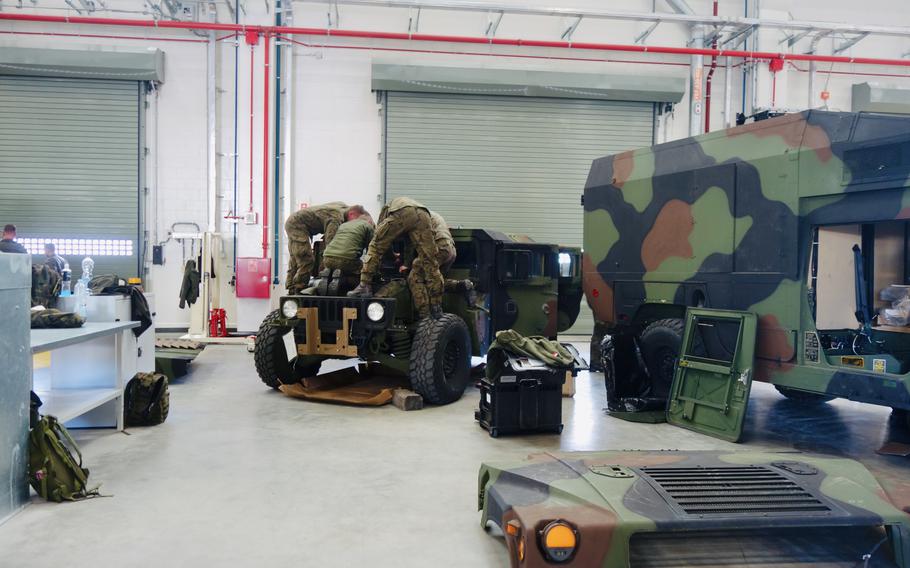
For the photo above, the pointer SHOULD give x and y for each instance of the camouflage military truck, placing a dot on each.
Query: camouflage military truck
(638, 509)
(497, 282)
(801, 220)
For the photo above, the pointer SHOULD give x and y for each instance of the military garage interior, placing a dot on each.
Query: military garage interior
(409, 283)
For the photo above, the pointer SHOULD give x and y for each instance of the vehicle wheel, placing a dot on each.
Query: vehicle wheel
(660, 343)
(271, 358)
(803, 397)
(440, 367)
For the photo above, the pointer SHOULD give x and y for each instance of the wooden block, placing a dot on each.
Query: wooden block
(405, 399)
(568, 387)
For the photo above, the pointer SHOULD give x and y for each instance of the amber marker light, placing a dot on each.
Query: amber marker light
(558, 541)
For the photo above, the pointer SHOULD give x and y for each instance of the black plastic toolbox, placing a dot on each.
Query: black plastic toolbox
(525, 397)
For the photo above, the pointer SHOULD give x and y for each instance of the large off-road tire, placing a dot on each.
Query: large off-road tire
(440, 367)
(271, 356)
(803, 397)
(660, 343)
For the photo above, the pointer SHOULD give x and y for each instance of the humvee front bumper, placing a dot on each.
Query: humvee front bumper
(335, 326)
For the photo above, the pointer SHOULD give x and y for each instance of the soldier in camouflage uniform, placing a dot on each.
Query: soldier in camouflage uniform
(445, 244)
(301, 226)
(405, 215)
(344, 252)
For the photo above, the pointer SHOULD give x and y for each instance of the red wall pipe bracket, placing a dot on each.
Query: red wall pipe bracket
(252, 37)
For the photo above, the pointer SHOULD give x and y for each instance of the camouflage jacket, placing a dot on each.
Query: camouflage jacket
(443, 236)
(324, 218)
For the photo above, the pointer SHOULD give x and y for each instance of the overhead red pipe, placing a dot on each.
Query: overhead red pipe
(453, 39)
(265, 147)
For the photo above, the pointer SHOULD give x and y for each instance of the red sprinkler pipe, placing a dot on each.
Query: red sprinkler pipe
(265, 147)
(762, 55)
(251, 126)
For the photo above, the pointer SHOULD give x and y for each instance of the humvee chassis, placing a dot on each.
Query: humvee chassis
(497, 282)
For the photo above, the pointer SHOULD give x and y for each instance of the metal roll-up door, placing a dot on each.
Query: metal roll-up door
(70, 168)
(515, 164)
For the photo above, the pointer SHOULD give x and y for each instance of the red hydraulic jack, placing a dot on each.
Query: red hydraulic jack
(218, 323)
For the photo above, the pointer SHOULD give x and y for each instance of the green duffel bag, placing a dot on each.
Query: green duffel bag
(52, 470)
(146, 400)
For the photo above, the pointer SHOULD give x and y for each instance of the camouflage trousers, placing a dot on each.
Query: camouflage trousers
(347, 266)
(302, 260)
(425, 280)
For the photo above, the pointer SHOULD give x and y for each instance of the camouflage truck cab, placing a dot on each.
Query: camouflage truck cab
(497, 282)
(761, 218)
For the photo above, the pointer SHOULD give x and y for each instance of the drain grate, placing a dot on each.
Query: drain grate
(735, 489)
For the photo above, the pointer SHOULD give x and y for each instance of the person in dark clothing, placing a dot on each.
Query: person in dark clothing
(52, 259)
(9, 244)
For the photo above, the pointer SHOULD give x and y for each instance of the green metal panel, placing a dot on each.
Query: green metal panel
(514, 164)
(70, 162)
(146, 65)
(527, 83)
(710, 391)
(872, 97)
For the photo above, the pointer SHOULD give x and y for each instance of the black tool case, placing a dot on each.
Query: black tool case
(525, 397)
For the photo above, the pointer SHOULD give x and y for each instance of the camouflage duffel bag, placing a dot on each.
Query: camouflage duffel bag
(146, 400)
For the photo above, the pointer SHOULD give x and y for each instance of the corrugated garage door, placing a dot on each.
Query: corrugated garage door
(69, 168)
(516, 164)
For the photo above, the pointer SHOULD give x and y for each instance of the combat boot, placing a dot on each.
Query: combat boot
(361, 291)
(435, 311)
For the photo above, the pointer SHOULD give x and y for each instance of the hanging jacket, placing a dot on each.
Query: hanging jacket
(189, 289)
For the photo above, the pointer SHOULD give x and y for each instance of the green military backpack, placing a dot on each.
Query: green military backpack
(46, 286)
(52, 470)
(146, 400)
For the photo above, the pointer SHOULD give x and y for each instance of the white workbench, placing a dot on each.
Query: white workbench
(83, 385)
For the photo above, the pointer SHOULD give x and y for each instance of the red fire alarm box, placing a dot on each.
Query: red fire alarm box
(253, 275)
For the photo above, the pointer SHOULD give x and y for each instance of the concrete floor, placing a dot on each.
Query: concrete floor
(241, 475)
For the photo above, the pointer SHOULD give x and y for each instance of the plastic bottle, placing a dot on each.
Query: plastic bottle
(82, 291)
(81, 294)
(67, 284)
(88, 266)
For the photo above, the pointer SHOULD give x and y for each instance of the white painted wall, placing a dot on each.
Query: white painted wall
(336, 138)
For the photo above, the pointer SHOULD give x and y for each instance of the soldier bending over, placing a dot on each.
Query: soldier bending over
(405, 215)
(302, 226)
(352, 237)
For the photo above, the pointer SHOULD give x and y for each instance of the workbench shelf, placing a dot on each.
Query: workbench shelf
(82, 382)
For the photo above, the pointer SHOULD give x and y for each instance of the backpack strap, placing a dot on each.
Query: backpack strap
(157, 393)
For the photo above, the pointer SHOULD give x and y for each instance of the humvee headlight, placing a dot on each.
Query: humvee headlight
(558, 541)
(289, 308)
(375, 311)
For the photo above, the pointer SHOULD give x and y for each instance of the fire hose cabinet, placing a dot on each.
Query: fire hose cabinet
(253, 277)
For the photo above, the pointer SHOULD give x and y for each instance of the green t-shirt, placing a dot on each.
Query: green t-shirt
(350, 240)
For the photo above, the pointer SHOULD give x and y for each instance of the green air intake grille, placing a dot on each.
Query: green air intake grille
(733, 490)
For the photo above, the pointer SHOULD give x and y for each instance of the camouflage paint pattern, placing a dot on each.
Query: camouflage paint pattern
(611, 497)
(424, 279)
(300, 227)
(539, 305)
(725, 220)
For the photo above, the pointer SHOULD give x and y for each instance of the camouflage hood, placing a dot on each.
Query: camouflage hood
(629, 504)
